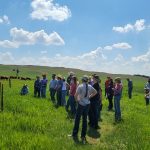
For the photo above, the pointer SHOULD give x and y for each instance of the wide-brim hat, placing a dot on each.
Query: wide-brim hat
(71, 73)
(59, 76)
(118, 79)
(44, 74)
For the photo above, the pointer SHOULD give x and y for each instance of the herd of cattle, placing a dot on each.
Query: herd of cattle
(14, 77)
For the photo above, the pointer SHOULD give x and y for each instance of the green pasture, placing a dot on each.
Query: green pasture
(29, 123)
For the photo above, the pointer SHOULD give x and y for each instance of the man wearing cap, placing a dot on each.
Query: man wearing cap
(37, 86)
(130, 87)
(83, 93)
(43, 86)
(52, 87)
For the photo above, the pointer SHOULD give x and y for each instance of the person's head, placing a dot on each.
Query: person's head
(90, 79)
(85, 79)
(128, 79)
(149, 80)
(25, 85)
(96, 78)
(38, 77)
(59, 77)
(146, 90)
(74, 79)
(117, 80)
(71, 73)
(108, 77)
(44, 76)
(63, 79)
(53, 76)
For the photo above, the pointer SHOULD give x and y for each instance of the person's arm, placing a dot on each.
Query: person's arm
(76, 96)
(93, 92)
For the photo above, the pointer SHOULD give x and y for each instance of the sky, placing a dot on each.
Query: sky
(110, 36)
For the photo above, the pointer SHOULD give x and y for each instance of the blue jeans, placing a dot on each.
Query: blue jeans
(37, 91)
(63, 97)
(59, 97)
(43, 92)
(81, 111)
(130, 92)
(52, 94)
(72, 103)
(117, 107)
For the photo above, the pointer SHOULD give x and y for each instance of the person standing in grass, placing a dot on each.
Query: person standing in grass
(130, 88)
(95, 104)
(117, 97)
(37, 87)
(83, 94)
(71, 101)
(147, 92)
(106, 86)
(110, 94)
(71, 74)
(64, 90)
(147, 95)
(43, 86)
(52, 87)
(59, 89)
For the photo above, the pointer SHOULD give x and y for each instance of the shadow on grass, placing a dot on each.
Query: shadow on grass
(93, 133)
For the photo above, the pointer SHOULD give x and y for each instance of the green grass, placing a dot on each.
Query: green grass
(29, 123)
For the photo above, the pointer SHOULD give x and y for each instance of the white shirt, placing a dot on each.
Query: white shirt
(81, 91)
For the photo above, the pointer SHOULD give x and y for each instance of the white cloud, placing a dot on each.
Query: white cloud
(122, 45)
(47, 10)
(138, 26)
(4, 20)
(6, 57)
(8, 44)
(142, 58)
(22, 37)
(94, 60)
(119, 58)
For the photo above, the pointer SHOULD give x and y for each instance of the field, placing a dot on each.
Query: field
(29, 123)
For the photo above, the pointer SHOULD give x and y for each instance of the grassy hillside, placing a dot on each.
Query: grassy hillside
(30, 123)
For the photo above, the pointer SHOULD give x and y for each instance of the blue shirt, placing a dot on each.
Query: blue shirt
(53, 84)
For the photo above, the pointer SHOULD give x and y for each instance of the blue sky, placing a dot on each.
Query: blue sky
(96, 35)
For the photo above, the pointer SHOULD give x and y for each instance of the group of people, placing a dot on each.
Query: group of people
(114, 90)
(85, 98)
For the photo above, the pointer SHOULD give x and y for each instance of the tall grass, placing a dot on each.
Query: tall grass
(29, 123)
